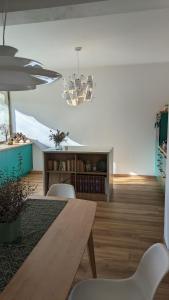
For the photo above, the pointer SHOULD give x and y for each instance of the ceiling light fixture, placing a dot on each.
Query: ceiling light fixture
(79, 88)
(18, 73)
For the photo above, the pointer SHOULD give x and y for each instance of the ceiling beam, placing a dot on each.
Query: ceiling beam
(21, 5)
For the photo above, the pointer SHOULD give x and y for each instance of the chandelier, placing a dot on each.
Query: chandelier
(18, 73)
(79, 88)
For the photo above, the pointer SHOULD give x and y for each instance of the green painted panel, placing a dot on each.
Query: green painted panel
(163, 128)
(19, 158)
(160, 159)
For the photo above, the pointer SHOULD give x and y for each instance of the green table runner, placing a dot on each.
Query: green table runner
(36, 218)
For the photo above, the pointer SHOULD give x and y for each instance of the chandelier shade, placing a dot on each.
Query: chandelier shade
(18, 73)
(78, 88)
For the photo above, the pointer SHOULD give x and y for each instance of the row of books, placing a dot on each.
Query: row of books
(68, 165)
(89, 183)
(61, 165)
(72, 165)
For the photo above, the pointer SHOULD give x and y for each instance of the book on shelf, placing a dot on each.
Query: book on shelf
(97, 184)
(50, 165)
(90, 184)
(55, 165)
(72, 165)
(68, 165)
(64, 166)
(61, 165)
(73, 180)
(80, 166)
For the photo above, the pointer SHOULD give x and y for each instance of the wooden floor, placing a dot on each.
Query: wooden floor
(124, 228)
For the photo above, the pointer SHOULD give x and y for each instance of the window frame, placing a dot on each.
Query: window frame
(8, 101)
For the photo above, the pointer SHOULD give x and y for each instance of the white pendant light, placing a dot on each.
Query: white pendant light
(18, 73)
(79, 88)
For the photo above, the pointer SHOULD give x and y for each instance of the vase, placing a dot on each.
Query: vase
(58, 147)
(9, 232)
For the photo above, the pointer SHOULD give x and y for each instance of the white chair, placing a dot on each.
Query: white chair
(141, 286)
(62, 189)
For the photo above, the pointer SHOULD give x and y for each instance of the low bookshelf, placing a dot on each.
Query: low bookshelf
(89, 170)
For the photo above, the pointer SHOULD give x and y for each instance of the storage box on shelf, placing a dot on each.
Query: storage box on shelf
(88, 170)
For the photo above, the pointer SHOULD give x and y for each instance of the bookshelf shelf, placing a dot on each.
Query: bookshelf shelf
(60, 172)
(93, 173)
(73, 172)
(88, 170)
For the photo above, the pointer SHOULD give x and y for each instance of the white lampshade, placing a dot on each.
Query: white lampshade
(18, 73)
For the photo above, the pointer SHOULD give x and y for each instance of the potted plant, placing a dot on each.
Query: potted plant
(58, 138)
(13, 193)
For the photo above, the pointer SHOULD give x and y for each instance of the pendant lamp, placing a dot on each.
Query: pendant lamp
(19, 73)
(78, 88)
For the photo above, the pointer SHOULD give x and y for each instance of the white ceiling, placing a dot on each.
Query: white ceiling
(121, 38)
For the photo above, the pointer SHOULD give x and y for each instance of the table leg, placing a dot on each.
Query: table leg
(90, 246)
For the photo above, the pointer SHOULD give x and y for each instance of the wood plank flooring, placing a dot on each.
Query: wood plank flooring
(124, 228)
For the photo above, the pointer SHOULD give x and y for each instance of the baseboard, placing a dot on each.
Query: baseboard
(36, 172)
(129, 175)
(114, 175)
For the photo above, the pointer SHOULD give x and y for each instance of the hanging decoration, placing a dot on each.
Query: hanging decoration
(79, 88)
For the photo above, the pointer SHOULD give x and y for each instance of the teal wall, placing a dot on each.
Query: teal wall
(9, 160)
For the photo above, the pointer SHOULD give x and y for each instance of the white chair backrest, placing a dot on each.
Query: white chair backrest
(62, 189)
(151, 269)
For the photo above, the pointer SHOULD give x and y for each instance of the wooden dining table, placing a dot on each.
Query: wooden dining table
(49, 270)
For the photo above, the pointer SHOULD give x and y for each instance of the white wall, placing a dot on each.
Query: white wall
(122, 113)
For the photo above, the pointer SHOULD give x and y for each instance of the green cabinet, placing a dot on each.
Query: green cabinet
(163, 127)
(18, 158)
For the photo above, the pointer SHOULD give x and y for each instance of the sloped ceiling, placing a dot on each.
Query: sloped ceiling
(29, 11)
(120, 5)
(18, 5)
(139, 37)
(133, 34)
